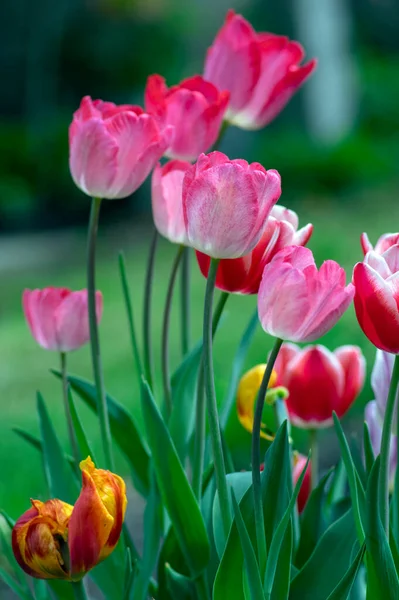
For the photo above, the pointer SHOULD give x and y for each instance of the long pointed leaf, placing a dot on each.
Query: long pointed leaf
(84, 447)
(36, 442)
(343, 589)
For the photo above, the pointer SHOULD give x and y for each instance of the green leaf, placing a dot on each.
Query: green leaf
(7, 558)
(343, 589)
(337, 492)
(124, 431)
(62, 482)
(41, 589)
(176, 493)
(81, 438)
(130, 572)
(328, 562)
(368, 448)
(179, 586)
(62, 590)
(172, 555)
(183, 382)
(15, 585)
(311, 522)
(282, 579)
(251, 565)
(36, 442)
(382, 578)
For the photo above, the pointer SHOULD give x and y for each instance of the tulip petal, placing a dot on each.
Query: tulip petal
(354, 366)
(72, 320)
(40, 307)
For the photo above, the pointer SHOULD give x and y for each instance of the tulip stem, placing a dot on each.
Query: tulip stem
(256, 482)
(314, 449)
(71, 431)
(212, 409)
(79, 590)
(102, 408)
(199, 439)
(148, 362)
(165, 333)
(385, 446)
(185, 302)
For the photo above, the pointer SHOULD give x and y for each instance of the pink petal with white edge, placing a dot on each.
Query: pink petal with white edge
(354, 367)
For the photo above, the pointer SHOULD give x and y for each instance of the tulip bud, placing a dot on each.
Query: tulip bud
(247, 393)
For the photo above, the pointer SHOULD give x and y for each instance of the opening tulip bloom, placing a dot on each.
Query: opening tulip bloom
(319, 382)
(226, 204)
(195, 108)
(377, 297)
(260, 70)
(384, 243)
(297, 302)
(112, 149)
(58, 318)
(54, 540)
(166, 196)
(375, 422)
(243, 275)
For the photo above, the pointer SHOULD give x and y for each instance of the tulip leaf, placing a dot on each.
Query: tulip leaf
(179, 586)
(176, 493)
(311, 522)
(283, 576)
(343, 589)
(62, 590)
(130, 573)
(124, 431)
(368, 448)
(81, 438)
(171, 555)
(61, 481)
(382, 578)
(317, 579)
(15, 585)
(251, 565)
(7, 558)
(41, 589)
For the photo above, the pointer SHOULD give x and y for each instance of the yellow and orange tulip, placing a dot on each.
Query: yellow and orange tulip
(54, 540)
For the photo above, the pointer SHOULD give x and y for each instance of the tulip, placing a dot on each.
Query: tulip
(226, 204)
(299, 462)
(112, 149)
(167, 206)
(247, 393)
(374, 421)
(260, 70)
(377, 297)
(54, 540)
(195, 108)
(243, 275)
(319, 382)
(58, 318)
(297, 302)
(384, 243)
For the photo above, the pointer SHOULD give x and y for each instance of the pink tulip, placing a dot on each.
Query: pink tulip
(167, 205)
(384, 243)
(296, 302)
(243, 275)
(374, 420)
(58, 318)
(260, 70)
(112, 149)
(377, 297)
(195, 108)
(319, 382)
(226, 204)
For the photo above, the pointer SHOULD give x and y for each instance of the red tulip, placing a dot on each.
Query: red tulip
(167, 205)
(384, 243)
(195, 108)
(226, 204)
(260, 70)
(112, 149)
(243, 275)
(58, 318)
(319, 382)
(377, 298)
(297, 302)
(299, 461)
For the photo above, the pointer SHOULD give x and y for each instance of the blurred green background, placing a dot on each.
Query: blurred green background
(336, 146)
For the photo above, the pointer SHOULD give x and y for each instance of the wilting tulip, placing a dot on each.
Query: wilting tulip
(54, 540)
(226, 204)
(377, 297)
(374, 420)
(319, 382)
(260, 70)
(299, 462)
(58, 318)
(247, 393)
(112, 149)
(167, 205)
(195, 108)
(243, 275)
(384, 243)
(297, 302)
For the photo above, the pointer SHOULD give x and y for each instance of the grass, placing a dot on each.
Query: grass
(24, 367)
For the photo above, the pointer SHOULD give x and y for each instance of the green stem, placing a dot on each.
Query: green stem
(214, 430)
(148, 362)
(130, 318)
(185, 302)
(71, 431)
(167, 390)
(79, 590)
(94, 337)
(314, 448)
(385, 444)
(202, 588)
(199, 439)
(256, 483)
